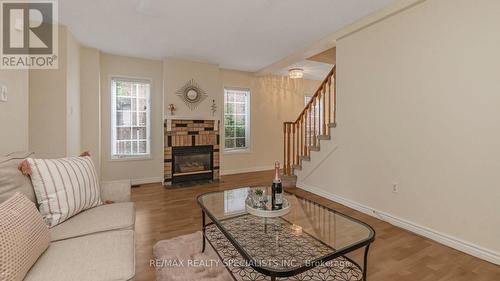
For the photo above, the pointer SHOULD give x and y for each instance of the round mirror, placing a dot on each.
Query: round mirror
(192, 94)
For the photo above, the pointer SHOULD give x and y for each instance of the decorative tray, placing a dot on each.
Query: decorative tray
(266, 211)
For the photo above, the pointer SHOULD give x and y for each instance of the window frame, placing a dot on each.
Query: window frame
(248, 117)
(113, 111)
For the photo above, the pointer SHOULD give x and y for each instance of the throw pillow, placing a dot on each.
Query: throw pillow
(64, 187)
(23, 237)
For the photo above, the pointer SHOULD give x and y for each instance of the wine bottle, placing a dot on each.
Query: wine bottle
(277, 189)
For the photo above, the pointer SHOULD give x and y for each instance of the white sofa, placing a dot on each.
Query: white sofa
(95, 245)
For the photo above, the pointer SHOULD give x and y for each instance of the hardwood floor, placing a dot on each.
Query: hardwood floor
(396, 254)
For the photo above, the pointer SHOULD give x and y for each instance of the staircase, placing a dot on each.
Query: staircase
(310, 128)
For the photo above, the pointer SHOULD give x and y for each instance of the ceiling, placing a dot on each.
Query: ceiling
(246, 35)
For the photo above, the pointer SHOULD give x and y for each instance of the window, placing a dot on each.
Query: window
(236, 119)
(130, 118)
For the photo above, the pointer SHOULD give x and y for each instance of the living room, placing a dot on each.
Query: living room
(238, 140)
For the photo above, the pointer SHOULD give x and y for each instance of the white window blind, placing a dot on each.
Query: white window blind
(130, 118)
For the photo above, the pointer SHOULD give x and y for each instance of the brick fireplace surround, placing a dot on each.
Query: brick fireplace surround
(184, 133)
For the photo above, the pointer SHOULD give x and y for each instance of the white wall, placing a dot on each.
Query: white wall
(73, 145)
(178, 72)
(150, 170)
(14, 113)
(54, 103)
(418, 105)
(43, 111)
(90, 102)
(48, 106)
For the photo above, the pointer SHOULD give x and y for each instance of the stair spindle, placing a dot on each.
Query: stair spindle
(309, 134)
(284, 148)
(324, 109)
(334, 97)
(292, 128)
(329, 100)
(296, 155)
(301, 124)
(314, 123)
(304, 132)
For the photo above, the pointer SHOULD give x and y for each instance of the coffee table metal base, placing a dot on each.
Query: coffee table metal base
(339, 269)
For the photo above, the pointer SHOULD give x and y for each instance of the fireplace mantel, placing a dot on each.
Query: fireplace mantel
(169, 118)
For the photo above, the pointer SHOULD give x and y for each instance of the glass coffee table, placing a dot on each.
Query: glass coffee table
(308, 243)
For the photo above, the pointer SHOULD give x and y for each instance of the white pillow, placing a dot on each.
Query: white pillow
(64, 187)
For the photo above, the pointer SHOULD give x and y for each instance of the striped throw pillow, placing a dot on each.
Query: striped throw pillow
(64, 187)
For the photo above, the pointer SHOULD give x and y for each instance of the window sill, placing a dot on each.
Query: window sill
(237, 151)
(130, 158)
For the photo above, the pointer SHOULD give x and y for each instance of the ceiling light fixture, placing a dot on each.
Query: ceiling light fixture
(295, 73)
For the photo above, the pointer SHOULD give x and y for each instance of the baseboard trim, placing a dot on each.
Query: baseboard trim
(246, 170)
(146, 180)
(442, 238)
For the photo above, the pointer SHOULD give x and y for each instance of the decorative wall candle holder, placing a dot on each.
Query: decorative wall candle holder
(172, 108)
(213, 107)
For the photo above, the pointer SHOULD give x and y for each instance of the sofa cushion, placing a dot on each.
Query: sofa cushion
(64, 187)
(12, 180)
(23, 237)
(107, 256)
(102, 218)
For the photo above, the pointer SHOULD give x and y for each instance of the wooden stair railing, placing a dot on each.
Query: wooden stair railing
(301, 136)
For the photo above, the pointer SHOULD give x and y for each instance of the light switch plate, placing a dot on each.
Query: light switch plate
(3, 93)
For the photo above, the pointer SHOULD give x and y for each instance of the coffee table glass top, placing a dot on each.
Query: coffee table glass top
(310, 233)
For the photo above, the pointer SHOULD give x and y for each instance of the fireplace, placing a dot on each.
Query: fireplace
(192, 163)
(191, 150)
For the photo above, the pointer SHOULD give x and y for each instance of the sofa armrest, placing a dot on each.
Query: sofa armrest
(116, 191)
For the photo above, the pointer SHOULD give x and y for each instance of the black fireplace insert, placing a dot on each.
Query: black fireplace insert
(192, 163)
